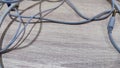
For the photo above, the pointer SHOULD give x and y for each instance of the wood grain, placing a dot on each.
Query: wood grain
(67, 46)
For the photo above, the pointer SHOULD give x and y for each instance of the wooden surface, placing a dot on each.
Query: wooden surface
(67, 46)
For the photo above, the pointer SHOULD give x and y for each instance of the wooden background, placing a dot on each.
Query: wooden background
(66, 46)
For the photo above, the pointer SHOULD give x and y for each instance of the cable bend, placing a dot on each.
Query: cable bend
(113, 42)
(5, 13)
(110, 29)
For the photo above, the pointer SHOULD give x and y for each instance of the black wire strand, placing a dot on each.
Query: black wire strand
(98, 17)
(115, 8)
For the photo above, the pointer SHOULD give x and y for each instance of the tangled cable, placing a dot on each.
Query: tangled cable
(115, 8)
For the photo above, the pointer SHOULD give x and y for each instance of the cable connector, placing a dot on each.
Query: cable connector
(114, 12)
(111, 24)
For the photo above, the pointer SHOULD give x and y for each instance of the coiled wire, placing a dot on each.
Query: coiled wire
(101, 16)
(98, 17)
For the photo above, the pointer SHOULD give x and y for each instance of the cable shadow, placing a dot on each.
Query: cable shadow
(22, 38)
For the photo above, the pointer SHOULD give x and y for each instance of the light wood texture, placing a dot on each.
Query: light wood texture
(68, 46)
